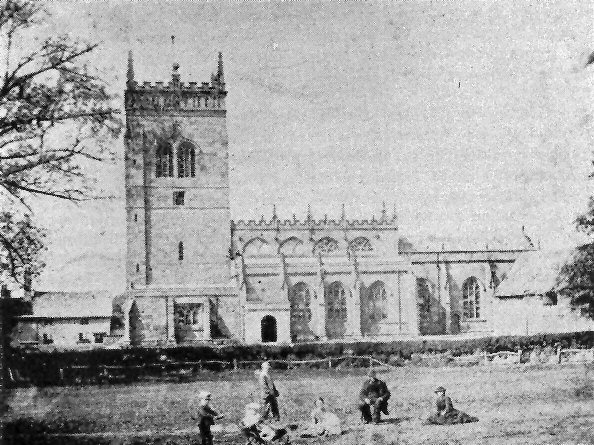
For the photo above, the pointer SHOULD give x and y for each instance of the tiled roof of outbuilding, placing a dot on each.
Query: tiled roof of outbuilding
(535, 273)
(71, 305)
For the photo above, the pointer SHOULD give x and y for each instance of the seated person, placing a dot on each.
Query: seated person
(446, 414)
(256, 429)
(373, 398)
(324, 423)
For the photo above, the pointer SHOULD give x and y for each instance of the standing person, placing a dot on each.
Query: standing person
(373, 398)
(206, 416)
(268, 393)
(445, 413)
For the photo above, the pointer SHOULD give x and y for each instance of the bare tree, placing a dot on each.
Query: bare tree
(55, 111)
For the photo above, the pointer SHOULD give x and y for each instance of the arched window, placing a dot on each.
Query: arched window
(424, 294)
(186, 160)
(180, 251)
(325, 245)
(471, 298)
(300, 300)
(164, 160)
(336, 310)
(360, 244)
(374, 308)
(291, 246)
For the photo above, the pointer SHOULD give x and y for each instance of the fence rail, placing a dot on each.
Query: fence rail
(181, 370)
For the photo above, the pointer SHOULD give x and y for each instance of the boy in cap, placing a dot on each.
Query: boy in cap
(206, 417)
(373, 398)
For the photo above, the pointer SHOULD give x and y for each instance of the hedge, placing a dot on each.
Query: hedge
(43, 368)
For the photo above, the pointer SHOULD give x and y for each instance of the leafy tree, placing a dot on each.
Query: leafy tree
(55, 115)
(578, 274)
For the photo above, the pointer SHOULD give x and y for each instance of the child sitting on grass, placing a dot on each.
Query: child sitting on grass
(324, 423)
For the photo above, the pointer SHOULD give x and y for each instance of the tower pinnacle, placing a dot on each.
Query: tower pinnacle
(175, 73)
(220, 75)
(130, 72)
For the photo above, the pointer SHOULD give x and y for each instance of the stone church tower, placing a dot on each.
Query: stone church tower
(177, 203)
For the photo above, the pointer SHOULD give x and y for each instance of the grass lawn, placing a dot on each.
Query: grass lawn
(520, 405)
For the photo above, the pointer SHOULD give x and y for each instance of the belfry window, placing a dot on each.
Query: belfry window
(179, 197)
(186, 161)
(164, 161)
(180, 251)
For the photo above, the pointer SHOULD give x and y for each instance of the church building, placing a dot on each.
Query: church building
(193, 274)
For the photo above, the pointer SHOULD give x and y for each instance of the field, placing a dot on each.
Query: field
(550, 404)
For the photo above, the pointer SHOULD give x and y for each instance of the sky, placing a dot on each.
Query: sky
(472, 118)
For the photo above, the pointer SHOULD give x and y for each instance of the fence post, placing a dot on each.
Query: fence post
(485, 357)
(329, 363)
(234, 364)
(519, 356)
(200, 365)
(558, 354)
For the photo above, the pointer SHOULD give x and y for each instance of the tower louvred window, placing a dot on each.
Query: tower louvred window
(186, 161)
(164, 161)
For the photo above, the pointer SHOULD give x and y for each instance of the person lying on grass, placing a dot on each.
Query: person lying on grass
(324, 423)
(257, 430)
(206, 416)
(446, 414)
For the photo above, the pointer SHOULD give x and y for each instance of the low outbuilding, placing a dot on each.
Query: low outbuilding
(65, 320)
(531, 299)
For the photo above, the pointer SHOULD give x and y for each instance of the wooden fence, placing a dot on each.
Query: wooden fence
(185, 370)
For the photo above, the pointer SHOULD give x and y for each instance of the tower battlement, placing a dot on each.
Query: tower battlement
(173, 96)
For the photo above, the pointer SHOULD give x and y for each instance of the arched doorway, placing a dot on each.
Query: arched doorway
(268, 329)
(336, 310)
(300, 299)
(135, 325)
(374, 308)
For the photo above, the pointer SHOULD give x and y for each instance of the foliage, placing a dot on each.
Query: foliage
(41, 367)
(55, 112)
(578, 274)
(578, 277)
(26, 242)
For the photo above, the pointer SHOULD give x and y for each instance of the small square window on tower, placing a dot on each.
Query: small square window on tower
(179, 197)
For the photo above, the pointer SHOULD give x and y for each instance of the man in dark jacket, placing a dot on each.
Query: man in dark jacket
(268, 393)
(373, 398)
